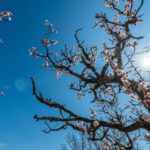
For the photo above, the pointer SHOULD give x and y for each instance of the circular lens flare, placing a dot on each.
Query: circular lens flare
(20, 84)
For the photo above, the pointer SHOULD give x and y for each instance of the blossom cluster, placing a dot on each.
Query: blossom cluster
(115, 25)
(81, 124)
(80, 94)
(108, 92)
(34, 52)
(146, 118)
(46, 42)
(104, 23)
(111, 4)
(69, 58)
(58, 73)
(144, 88)
(93, 113)
(94, 51)
(84, 125)
(127, 8)
(132, 45)
(141, 87)
(119, 72)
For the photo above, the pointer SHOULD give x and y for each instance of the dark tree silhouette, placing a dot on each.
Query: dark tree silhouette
(6, 15)
(119, 126)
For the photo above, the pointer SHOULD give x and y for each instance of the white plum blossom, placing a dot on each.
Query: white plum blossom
(84, 126)
(94, 50)
(107, 53)
(108, 4)
(103, 23)
(77, 124)
(114, 65)
(93, 113)
(75, 59)
(86, 73)
(108, 92)
(54, 42)
(125, 80)
(58, 73)
(34, 52)
(79, 95)
(45, 42)
(142, 86)
(117, 17)
(119, 72)
(126, 83)
(92, 60)
(45, 64)
(95, 123)
(46, 22)
(147, 136)
(117, 2)
(132, 97)
(33, 48)
(91, 88)
(112, 4)
(146, 118)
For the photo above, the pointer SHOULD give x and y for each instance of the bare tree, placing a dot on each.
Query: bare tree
(79, 142)
(6, 15)
(117, 78)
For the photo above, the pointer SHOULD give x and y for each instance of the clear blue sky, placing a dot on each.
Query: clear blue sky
(18, 131)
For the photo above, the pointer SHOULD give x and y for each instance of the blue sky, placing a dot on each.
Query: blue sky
(17, 128)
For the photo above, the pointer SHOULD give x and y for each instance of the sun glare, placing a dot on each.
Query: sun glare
(145, 62)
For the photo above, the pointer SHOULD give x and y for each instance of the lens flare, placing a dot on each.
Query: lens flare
(145, 62)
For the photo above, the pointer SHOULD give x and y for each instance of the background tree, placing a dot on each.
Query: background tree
(5, 15)
(80, 142)
(111, 80)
